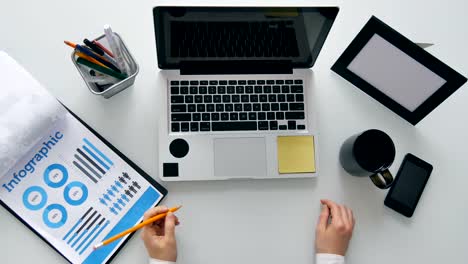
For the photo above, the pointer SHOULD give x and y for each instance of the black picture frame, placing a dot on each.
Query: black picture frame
(453, 79)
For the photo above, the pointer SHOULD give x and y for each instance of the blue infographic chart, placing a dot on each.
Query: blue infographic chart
(94, 164)
(76, 192)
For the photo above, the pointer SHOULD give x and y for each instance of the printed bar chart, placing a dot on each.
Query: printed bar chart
(98, 151)
(90, 234)
(84, 171)
(94, 237)
(77, 223)
(86, 229)
(91, 161)
(78, 232)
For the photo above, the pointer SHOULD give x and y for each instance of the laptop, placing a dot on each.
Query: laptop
(237, 79)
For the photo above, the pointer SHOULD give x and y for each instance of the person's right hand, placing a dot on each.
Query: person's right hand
(159, 237)
(334, 228)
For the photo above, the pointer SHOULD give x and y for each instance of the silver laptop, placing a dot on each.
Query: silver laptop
(237, 79)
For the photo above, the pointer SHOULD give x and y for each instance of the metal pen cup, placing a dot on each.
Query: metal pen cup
(113, 89)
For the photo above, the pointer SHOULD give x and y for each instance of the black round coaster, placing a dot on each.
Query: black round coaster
(179, 148)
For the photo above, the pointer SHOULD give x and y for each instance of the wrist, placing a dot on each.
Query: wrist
(169, 258)
(164, 251)
(331, 252)
(158, 261)
(329, 258)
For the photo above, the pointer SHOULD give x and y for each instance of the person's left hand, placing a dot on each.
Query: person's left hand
(334, 228)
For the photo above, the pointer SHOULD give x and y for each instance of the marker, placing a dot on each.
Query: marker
(101, 69)
(116, 49)
(99, 51)
(135, 228)
(94, 47)
(103, 48)
(90, 53)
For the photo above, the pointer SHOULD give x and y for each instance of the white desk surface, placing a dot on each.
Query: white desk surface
(264, 221)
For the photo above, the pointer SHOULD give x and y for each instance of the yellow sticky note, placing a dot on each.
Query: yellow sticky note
(296, 154)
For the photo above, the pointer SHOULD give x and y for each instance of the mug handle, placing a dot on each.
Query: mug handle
(387, 179)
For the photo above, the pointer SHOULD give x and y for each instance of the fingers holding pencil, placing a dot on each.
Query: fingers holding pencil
(149, 221)
(159, 237)
(170, 223)
(157, 228)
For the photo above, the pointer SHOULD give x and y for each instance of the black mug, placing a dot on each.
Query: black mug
(369, 154)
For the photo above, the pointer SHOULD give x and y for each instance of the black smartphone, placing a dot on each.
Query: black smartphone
(408, 185)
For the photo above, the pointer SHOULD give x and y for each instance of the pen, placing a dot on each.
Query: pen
(115, 47)
(135, 228)
(94, 47)
(86, 57)
(98, 50)
(92, 54)
(103, 48)
(101, 69)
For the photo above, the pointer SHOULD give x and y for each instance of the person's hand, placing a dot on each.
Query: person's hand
(159, 237)
(334, 228)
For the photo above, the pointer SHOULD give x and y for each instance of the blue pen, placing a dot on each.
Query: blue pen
(97, 57)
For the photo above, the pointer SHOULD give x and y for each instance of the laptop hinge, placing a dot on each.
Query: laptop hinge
(236, 67)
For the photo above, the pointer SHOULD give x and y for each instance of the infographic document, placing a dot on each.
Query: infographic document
(58, 177)
(76, 192)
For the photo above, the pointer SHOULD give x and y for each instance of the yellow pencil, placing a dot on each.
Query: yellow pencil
(135, 228)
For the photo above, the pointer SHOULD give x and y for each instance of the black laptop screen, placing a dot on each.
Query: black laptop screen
(190, 34)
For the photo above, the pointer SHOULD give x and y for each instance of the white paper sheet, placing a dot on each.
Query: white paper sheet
(27, 111)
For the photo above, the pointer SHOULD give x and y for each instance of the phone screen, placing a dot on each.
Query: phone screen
(410, 184)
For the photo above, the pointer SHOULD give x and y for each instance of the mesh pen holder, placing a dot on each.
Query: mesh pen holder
(107, 91)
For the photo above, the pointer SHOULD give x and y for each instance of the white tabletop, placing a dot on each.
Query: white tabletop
(264, 221)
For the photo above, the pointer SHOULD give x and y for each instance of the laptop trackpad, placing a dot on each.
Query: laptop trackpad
(239, 157)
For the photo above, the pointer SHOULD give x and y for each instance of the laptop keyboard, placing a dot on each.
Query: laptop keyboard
(234, 39)
(236, 105)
